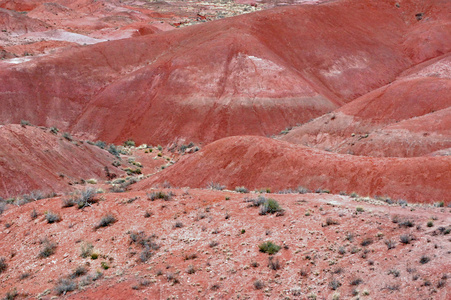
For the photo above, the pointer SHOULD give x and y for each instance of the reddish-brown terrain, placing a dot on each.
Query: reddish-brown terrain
(33, 158)
(252, 74)
(148, 149)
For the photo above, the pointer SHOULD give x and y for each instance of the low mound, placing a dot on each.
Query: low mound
(257, 162)
(16, 23)
(32, 158)
(252, 74)
(391, 120)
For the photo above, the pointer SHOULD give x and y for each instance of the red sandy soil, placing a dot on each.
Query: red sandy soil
(258, 162)
(252, 74)
(32, 158)
(309, 259)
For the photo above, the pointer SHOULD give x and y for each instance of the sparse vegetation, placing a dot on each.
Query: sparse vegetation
(269, 247)
(334, 284)
(424, 259)
(106, 220)
(406, 238)
(270, 206)
(215, 186)
(258, 284)
(79, 271)
(67, 136)
(330, 221)
(86, 250)
(34, 214)
(3, 265)
(160, 195)
(65, 285)
(391, 244)
(52, 217)
(273, 264)
(241, 189)
(129, 143)
(48, 248)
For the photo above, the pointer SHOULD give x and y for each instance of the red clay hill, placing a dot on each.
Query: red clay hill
(251, 74)
(407, 118)
(33, 158)
(260, 163)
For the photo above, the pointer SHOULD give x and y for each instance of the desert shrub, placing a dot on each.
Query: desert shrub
(34, 214)
(330, 221)
(67, 136)
(406, 238)
(146, 242)
(113, 150)
(52, 217)
(104, 265)
(79, 271)
(215, 186)
(3, 265)
(105, 221)
(131, 171)
(65, 285)
(366, 242)
(406, 223)
(334, 284)
(394, 272)
(48, 248)
(273, 264)
(86, 197)
(391, 244)
(86, 250)
(160, 195)
(430, 224)
(100, 144)
(190, 256)
(269, 247)
(190, 269)
(178, 224)
(391, 287)
(68, 202)
(2, 206)
(129, 143)
(24, 123)
(424, 259)
(359, 209)
(258, 284)
(213, 244)
(11, 295)
(342, 250)
(356, 281)
(270, 206)
(354, 195)
(241, 189)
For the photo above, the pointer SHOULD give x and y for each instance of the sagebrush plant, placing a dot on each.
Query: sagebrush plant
(241, 189)
(48, 248)
(258, 284)
(270, 206)
(65, 285)
(269, 247)
(160, 195)
(86, 250)
(273, 264)
(105, 221)
(52, 217)
(215, 186)
(3, 265)
(79, 271)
